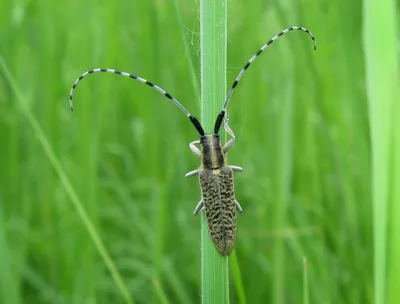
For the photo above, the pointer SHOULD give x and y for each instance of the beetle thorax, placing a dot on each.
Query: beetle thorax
(212, 154)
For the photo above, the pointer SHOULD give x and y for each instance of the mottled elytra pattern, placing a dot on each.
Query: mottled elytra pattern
(219, 203)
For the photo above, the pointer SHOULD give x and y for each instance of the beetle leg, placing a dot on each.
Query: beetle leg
(236, 168)
(198, 208)
(238, 207)
(194, 149)
(192, 173)
(231, 142)
(228, 145)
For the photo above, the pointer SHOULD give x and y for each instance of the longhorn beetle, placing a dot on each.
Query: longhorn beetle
(215, 175)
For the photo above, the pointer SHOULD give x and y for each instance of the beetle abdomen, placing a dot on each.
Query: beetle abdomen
(219, 204)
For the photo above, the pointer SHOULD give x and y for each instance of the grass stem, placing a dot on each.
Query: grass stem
(382, 88)
(213, 37)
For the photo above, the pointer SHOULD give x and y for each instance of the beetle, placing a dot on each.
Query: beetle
(215, 175)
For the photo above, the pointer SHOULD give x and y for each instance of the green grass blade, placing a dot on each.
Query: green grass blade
(213, 37)
(8, 290)
(174, 282)
(237, 278)
(37, 130)
(306, 296)
(160, 292)
(283, 173)
(382, 85)
(394, 261)
(394, 205)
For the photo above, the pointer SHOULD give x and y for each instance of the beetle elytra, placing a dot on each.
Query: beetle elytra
(215, 175)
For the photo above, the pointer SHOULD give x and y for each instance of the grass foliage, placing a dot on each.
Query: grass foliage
(306, 132)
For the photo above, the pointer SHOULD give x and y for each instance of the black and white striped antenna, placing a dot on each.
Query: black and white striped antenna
(193, 119)
(252, 59)
(221, 115)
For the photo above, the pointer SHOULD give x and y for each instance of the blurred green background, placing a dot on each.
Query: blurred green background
(302, 127)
